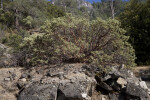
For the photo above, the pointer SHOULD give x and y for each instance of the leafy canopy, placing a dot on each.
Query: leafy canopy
(136, 20)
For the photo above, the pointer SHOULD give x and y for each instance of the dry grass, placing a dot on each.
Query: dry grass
(141, 68)
(137, 70)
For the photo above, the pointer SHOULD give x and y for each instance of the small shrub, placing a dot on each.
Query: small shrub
(28, 21)
(12, 40)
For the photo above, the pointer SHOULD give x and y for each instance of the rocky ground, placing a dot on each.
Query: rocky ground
(71, 82)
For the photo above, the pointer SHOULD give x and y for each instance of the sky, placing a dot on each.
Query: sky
(93, 0)
(90, 0)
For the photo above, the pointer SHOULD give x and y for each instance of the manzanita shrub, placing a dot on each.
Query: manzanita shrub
(68, 39)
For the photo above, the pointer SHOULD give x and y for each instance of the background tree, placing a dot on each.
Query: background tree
(1, 4)
(16, 13)
(107, 8)
(22, 17)
(74, 7)
(112, 9)
(136, 20)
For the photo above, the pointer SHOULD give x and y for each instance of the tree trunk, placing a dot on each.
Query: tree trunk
(1, 4)
(17, 19)
(112, 9)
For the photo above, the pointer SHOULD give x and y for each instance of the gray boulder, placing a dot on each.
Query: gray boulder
(143, 85)
(121, 71)
(136, 91)
(105, 86)
(123, 81)
(70, 86)
(38, 91)
(71, 91)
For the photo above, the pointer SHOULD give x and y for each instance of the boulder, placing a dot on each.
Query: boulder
(38, 91)
(73, 91)
(81, 88)
(72, 86)
(113, 97)
(120, 71)
(89, 70)
(136, 91)
(122, 82)
(105, 78)
(149, 91)
(105, 86)
(143, 85)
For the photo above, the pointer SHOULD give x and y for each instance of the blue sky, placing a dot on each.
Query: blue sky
(90, 0)
(93, 0)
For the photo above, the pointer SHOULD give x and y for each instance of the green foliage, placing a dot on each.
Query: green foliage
(6, 17)
(54, 11)
(102, 9)
(67, 3)
(28, 21)
(112, 46)
(12, 40)
(135, 19)
(70, 39)
(72, 6)
(38, 49)
(28, 14)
